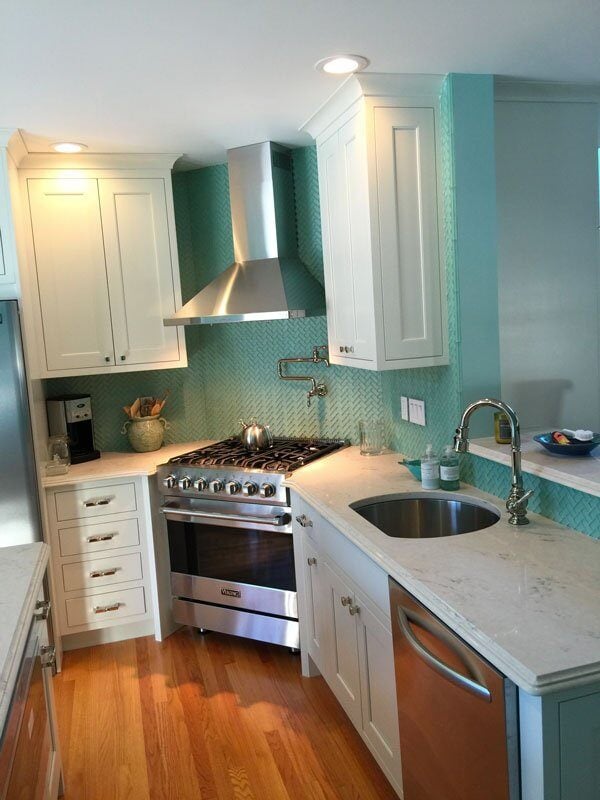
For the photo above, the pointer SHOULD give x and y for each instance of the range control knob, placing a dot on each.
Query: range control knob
(232, 487)
(200, 485)
(215, 486)
(249, 489)
(184, 483)
(267, 490)
(169, 481)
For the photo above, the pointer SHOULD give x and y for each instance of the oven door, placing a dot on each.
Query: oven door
(232, 554)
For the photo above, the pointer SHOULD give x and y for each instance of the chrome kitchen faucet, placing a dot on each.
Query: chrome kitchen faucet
(516, 504)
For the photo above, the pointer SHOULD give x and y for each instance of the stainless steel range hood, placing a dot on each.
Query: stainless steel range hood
(267, 279)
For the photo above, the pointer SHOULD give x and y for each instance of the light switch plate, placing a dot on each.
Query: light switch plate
(404, 407)
(416, 411)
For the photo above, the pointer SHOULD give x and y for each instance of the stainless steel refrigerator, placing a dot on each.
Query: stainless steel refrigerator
(19, 502)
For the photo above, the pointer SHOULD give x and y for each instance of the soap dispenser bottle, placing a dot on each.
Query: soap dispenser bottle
(430, 469)
(449, 470)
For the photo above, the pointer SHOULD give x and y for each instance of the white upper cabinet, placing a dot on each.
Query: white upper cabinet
(71, 274)
(378, 156)
(138, 265)
(103, 271)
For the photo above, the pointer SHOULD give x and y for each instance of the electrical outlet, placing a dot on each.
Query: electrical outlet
(404, 407)
(416, 411)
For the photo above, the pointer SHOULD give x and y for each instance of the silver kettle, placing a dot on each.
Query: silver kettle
(255, 437)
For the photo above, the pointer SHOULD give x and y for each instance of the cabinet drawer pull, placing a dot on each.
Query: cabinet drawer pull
(304, 521)
(311, 561)
(101, 537)
(103, 573)
(123, 358)
(346, 601)
(341, 349)
(104, 609)
(42, 609)
(354, 609)
(48, 655)
(107, 359)
(102, 502)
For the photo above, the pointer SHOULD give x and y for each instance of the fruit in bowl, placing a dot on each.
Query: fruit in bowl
(562, 443)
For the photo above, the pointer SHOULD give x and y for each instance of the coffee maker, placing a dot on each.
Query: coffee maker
(71, 415)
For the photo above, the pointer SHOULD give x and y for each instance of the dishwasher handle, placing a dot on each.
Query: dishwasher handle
(443, 669)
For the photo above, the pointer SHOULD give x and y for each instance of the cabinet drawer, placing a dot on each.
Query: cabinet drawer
(101, 536)
(102, 572)
(104, 607)
(95, 501)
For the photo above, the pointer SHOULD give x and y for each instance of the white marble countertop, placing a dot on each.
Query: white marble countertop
(577, 472)
(21, 571)
(526, 598)
(120, 465)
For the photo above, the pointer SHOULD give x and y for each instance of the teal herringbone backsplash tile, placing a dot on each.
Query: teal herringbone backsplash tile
(561, 503)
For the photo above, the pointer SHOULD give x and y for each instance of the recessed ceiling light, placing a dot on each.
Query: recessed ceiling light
(342, 64)
(68, 147)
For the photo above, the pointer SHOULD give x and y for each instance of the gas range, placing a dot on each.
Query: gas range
(227, 471)
(229, 526)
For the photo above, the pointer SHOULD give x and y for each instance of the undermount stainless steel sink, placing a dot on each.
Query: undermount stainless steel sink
(423, 516)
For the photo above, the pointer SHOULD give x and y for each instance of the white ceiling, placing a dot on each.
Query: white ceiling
(199, 76)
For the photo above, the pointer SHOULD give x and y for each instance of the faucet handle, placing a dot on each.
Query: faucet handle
(523, 498)
(516, 505)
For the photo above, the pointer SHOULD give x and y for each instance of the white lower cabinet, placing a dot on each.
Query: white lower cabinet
(100, 539)
(340, 644)
(345, 628)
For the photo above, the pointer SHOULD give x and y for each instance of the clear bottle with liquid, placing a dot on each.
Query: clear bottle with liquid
(430, 469)
(449, 470)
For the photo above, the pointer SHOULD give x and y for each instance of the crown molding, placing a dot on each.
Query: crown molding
(370, 84)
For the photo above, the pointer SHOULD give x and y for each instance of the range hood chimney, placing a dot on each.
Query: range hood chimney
(267, 279)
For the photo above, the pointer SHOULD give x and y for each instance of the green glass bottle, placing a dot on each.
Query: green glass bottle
(449, 470)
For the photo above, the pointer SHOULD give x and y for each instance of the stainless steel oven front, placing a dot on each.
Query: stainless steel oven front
(232, 568)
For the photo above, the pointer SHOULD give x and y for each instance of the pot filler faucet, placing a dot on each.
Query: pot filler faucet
(516, 504)
(317, 389)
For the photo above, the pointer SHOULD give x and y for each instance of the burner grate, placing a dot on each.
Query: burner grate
(285, 455)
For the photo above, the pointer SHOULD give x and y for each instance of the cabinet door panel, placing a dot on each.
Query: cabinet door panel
(315, 597)
(378, 688)
(140, 276)
(580, 748)
(408, 228)
(347, 243)
(341, 667)
(71, 272)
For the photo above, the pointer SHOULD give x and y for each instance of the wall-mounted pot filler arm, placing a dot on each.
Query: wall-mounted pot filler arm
(317, 389)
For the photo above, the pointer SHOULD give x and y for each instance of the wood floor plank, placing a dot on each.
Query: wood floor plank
(205, 718)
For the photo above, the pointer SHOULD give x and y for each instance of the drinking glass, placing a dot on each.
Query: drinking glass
(371, 437)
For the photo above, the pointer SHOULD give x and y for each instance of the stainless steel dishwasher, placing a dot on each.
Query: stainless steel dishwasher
(457, 714)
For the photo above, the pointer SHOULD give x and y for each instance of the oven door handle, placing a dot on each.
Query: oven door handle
(275, 522)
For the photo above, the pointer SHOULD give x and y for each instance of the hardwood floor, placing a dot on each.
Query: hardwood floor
(211, 717)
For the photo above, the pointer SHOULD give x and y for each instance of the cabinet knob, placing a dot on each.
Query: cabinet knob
(123, 358)
(341, 349)
(311, 561)
(107, 359)
(354, 609)
(304, 521)
(346, 601)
